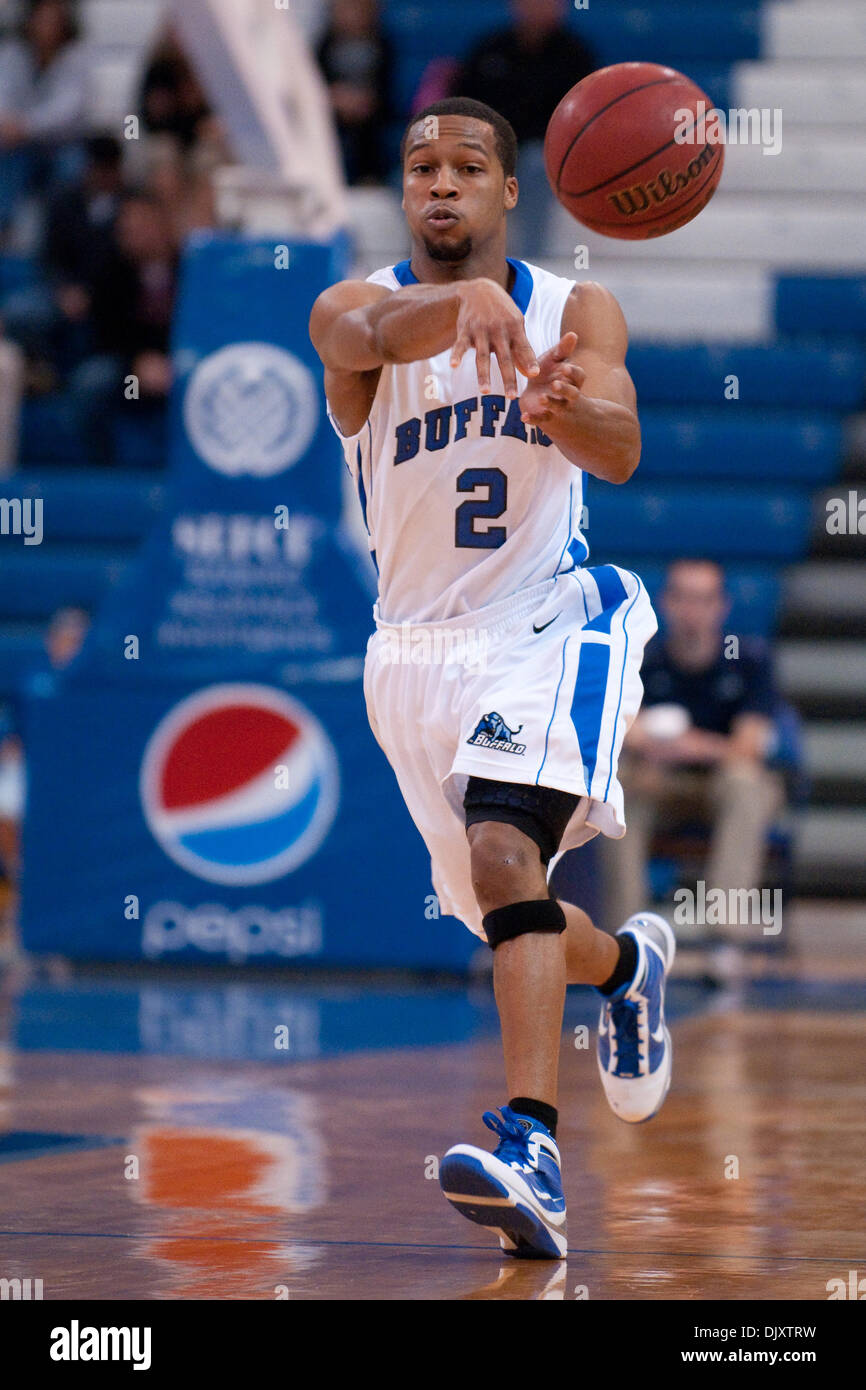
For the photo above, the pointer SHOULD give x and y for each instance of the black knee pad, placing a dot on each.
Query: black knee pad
(518, 919)
(542, 813)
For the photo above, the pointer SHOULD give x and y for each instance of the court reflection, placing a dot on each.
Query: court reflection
(224, 1168)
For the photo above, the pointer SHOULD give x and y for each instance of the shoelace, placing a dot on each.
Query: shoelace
(624, 1019)
(512, 1135)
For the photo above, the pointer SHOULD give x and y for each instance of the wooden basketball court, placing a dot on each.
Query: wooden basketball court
(158, 1142)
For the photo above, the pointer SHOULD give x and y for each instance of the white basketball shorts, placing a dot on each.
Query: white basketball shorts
(539, 688)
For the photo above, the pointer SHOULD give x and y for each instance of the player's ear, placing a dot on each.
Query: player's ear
(511, 192)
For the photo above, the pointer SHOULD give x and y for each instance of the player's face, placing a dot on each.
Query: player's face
(455, 193)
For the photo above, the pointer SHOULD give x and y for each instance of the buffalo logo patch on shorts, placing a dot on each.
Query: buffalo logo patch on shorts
(491, 731)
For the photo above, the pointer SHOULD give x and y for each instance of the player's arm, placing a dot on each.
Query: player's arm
(583, 397)
(358, 327)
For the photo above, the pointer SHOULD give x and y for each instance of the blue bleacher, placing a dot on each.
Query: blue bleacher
(669, 31)
(831, 304)
(701, 43)
(37, 580)
(140, 439)
(45, 434)
(21, 648)
(726, 521)
(678, 34)
(803, 376)
(90, 505)
(733, 441)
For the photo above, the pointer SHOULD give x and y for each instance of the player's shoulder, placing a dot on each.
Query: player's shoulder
(588, 296)
(546, 281)
(388, 276)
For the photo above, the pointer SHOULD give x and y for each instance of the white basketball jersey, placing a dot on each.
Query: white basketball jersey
(463, 503)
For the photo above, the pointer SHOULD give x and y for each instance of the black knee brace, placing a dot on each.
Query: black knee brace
(517, 919)
(542, 813)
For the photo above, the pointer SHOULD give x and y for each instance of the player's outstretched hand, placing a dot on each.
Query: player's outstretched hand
(556, 388)
(490, 322)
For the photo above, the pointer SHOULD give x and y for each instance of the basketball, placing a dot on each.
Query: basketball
(624, 157)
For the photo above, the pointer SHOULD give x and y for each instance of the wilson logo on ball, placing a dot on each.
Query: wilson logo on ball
(239, 784)
(666, 184)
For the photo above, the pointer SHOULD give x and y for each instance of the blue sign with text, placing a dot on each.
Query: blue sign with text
(203, 782)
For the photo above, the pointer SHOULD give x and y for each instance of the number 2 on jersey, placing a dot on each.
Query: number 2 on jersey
(493, 504)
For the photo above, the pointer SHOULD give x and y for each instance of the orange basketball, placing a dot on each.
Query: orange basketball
(613, 157)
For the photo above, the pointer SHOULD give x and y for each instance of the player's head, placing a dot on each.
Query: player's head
(695, 601)
(460, 155)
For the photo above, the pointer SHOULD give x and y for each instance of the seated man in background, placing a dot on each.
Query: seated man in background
(699, 746)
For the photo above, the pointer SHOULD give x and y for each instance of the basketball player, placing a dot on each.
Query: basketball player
(471, 392)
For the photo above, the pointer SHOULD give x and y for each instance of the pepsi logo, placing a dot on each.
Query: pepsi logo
(239, 784)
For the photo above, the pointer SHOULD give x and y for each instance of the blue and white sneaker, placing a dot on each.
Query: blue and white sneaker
(517, 1190)
(634, 1046)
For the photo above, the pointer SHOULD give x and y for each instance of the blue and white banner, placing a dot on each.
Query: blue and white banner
(203, 783)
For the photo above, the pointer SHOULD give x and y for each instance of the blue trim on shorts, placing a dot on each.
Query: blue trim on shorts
(553, 713)
(587, 705)
(567, 531)
(611, 592)
(621, 678)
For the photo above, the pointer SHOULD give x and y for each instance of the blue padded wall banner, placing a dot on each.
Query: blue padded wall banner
(203, 781)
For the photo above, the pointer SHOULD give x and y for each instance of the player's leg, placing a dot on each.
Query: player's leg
(538, 945)
(532, 968)
(529, 975)
(517, 1191)
(601, 696)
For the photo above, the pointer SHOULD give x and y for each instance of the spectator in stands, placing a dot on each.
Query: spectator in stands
(355, 58)
(187, 140)
(43, 103)
(172, 100)
(523, 71)
(181, 181)
(51, 320)
(133, 304)
(79, 237)
(699, 746)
